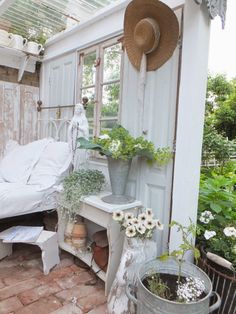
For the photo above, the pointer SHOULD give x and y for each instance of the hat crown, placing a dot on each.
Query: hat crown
(147, 35)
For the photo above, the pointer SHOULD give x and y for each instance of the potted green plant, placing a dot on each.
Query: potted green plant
(169, 284)
(77, 185)
(120, 148)
(217, 232)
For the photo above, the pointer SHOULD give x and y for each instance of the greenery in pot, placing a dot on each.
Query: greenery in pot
(76, 185)
(119, 144)
(217, 214)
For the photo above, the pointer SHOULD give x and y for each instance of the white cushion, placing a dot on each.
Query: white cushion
(54, 161)
(19, 161)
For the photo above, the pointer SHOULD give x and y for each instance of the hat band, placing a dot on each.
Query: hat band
(157, 34)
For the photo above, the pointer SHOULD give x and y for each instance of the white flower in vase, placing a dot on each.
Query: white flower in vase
(142, 217)
(118, 215)
(149, 212)
(141, 228)
(135, 221)
(129, 216)
(150, 224)
(130, 231)
(159, 225)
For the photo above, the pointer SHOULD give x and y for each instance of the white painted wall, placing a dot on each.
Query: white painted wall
(153, 186)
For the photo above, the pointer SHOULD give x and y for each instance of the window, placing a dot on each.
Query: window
(99, 79)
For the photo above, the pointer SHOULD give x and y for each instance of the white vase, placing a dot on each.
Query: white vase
(135, 252)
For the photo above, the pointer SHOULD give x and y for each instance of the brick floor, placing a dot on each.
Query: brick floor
(68, 289)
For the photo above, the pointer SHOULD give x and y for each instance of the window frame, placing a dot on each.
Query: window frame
(99, 49)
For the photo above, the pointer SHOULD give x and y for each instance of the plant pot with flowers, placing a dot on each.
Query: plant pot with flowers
(120, 148)
(138, 246)
(217, 235)
(169, 284)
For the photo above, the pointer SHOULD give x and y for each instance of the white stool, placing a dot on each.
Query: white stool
(47, 241)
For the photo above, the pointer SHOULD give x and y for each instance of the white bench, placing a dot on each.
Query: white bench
(47, 241)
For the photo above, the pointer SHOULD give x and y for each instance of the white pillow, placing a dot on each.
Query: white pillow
(54, 161)
(18, 163)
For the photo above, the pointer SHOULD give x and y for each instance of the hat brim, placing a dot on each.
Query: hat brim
(169, 32)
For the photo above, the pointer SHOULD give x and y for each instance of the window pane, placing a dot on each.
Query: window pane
(108, 123)
(112, 61)
(89, 69)
(110, 100)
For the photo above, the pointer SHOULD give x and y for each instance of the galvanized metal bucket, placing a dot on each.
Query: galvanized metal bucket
(150, 303)
(118, 172)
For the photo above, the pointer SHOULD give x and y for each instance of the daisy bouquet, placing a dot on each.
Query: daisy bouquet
(142, 225)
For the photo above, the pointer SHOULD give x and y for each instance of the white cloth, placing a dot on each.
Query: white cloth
(19, 199)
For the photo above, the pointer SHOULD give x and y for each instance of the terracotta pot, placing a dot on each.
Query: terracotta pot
(79, 230)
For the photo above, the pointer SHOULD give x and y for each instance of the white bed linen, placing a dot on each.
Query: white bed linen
(19, 199)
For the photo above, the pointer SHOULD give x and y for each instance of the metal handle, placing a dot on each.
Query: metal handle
(217, 304)
(129, 295)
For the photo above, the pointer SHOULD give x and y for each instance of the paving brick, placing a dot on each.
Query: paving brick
(23, 274)
(9, 305)
(42, 306)
(1, 284)
(91, 301)
(8, 292)
(74, 279)
(76, 292)
(66, 262)
(33, 295)
(55, 274)
(101, 309)
(68, 309)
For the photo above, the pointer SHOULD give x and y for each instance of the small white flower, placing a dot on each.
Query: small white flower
(230, 232)
(142, 217)
(206, 217)
(118, 215)
(130, 231)
(149, 224)
(149, 212)
(138, 146)
(129, 216)
(135, 221)
(191, 289)
(114, 146)
(140, 228)
(159, 225)
(209, 234)
(104, 137)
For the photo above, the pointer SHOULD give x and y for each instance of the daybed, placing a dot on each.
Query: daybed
(29, 175)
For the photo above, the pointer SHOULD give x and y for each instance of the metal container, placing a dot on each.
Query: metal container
(148, 302)
(118, 172)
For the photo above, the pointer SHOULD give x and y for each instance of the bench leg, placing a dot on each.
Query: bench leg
(50, 254)
(5, 249)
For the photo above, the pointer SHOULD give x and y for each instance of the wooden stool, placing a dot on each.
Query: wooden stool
(47, 241)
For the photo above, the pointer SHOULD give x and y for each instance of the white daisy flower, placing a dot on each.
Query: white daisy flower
(130, 231)
(159, 225)
(135, 221)
(149, 212)
(209, 234)
(118, 215)
(140, 228)
(149, 224)
(230, 232)
(104, 137)
(142, 217)
(129, 216)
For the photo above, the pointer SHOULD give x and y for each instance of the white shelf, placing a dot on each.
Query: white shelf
(21, 60)
(84, 256)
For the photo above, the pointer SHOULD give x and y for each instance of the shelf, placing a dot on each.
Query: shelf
(21, 60)
(85, 256)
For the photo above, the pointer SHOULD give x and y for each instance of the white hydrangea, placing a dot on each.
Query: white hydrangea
(206, 217)
(209, 234)
(230, 232)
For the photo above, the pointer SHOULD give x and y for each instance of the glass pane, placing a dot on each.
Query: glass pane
(90, 93)
(107, 124)
(110, 100)
(112, 62)
(89, 70)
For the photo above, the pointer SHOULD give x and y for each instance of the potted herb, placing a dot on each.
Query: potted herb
(120, 148)
(76, 186)
(169, 284)
(217, 232)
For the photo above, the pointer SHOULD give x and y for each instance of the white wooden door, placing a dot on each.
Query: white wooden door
(153, 185)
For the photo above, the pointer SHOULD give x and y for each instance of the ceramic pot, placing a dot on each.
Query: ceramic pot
(18, 42)
(5, 38)
(33, 47)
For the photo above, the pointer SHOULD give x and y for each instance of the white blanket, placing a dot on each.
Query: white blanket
(19, 199)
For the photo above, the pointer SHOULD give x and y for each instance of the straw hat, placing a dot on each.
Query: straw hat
(150, 28)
